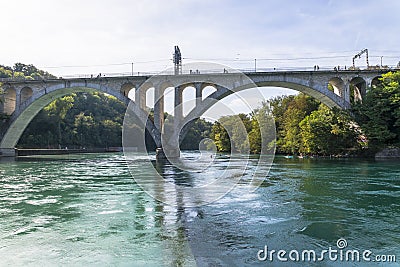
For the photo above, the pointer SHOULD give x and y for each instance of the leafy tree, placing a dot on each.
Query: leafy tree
(199, 130)
(30, 72)
(262, 130)
(238, 127)
(57, 110)
(379, 113)
(288, 112)
(327, 132)
(220, 137)
(5, 72)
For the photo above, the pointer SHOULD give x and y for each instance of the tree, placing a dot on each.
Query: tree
(328, 132)
(288, 112)
(379, 113)
(5, 72)
(199, 130)
(262, 133)
(57, 110)
(77, 120)
(220, 137)
(31, 72)
(86, 130)
(235, 130)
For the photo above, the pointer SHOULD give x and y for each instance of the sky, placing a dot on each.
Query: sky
(97, 36)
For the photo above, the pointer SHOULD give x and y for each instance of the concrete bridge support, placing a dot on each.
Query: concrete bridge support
(170, 143)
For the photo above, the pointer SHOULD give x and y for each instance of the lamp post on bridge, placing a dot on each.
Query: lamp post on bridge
(132, 68)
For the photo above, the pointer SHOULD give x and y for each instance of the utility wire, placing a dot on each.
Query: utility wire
(105, 65)
(282, 59)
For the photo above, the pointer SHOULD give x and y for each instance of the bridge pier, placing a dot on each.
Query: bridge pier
(171, 153)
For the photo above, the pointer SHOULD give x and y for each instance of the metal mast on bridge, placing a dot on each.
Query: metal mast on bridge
(359, 56)
(177, 61)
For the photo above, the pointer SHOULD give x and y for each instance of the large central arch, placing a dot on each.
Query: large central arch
(31, 107)
(320, 93)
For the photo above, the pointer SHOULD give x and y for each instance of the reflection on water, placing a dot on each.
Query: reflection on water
(87, 209)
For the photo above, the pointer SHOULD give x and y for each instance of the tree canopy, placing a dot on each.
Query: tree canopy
(77, 120)
(23, 71)
(379, 112)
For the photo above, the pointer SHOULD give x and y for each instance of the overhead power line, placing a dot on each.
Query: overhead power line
(106, 65)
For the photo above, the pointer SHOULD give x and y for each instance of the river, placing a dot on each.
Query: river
(85, 210)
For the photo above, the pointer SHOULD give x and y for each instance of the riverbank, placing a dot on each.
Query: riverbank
(388, 153)
(20, 152)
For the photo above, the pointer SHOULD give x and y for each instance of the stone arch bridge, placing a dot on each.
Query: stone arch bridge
(24, 99)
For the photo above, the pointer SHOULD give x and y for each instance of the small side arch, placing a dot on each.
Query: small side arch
(358, 88)
(338, 86)
(188, 98)
(207, 89)
(9, 101)
(26, 93)
(376, 81)
(128, 90)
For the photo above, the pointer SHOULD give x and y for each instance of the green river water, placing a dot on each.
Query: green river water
(87, 210)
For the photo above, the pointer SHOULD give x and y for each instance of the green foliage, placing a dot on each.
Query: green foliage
(262, 130)
(305, 126)
(30, 72)
(22, 71)
(243, 133)
(289, 111)
(199, 130)
(379, 113)
(233, 130)
(5, 72)
(220, 137)
(327, 132)
(77, 120)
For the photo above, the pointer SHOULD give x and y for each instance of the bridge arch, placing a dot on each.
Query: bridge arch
(322, 94)
(376, 81)
(9, 101)
(26, 93)
(359, 88)
(188, 98)
(127, 89)
(206, 90)
(338, 85)
(166, 89)
(317, 91)
(31, 107)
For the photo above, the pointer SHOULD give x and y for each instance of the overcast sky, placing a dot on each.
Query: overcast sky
(92, 36)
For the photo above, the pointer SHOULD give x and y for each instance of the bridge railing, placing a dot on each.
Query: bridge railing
(211, 71)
